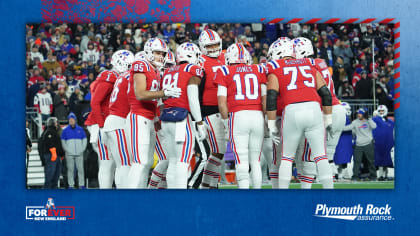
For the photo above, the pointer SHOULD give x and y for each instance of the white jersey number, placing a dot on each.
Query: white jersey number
(116, 89)
(327, 77)
(302, 69)
(248, 79)
(170, 81)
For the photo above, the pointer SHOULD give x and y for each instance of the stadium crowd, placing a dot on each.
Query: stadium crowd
(62, 60)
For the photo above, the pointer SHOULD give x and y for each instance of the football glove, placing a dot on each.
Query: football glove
(172, 92)
(201, 131)
(273, 132)
(328, 126)
(226, 126)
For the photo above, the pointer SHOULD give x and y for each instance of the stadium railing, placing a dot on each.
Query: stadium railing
(35, 122)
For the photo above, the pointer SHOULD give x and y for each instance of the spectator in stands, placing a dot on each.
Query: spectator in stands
(341, 73)
(36, 54)
(364, 87)
(91, 54)
(51, 151)
(59, 75)
(326, 53)
(43, 102)
(344, 51)
(78, 55)
(51, 63)
(345, 90)
(86, 38)
(60, 103)
(168, 32)
(74, 141)
(36, 77)
(91, 77)
(356, 46)
(172, 44)
(53, 85)
(195, 33)
(250, 36)
(238, 29)
(78, 75)
(138, 39)
(368, 36)
(362, 129)
(342, 32)
(84, 86)
(331, 35)
(75, 98)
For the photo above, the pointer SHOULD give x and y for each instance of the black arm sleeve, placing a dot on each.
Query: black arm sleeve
(272, 100)
(325, 95)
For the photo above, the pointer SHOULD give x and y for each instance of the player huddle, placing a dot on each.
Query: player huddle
(158, 101)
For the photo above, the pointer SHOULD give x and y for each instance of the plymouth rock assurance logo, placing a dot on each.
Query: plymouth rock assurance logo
(370, 212)
(50, 212)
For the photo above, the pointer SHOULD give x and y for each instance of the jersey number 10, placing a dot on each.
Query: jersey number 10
(248, 79)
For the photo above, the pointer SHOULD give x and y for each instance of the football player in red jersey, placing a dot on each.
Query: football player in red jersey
(114, 126)
(211, 46)
(177, 126)
(144, 91)
(270, 149)
(307, 170)
(241, 94)
(158, 178)
(101, 90)
(302, 91)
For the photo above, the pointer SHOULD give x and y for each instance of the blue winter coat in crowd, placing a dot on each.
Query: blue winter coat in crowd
(74, 140)
(344, 149)
(384, 141)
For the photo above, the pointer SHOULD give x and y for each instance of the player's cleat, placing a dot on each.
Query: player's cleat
(223, 181)
(356, 179)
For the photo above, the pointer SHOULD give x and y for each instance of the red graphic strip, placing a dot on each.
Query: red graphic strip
(86, 11)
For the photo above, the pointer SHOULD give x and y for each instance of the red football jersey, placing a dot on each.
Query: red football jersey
(118, 102)
(211, 67)
(146, 109)
(322, 67)
(101, 90)
(180, 75)
(297, 80)
(243, 83)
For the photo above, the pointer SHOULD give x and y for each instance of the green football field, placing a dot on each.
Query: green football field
(339, 185)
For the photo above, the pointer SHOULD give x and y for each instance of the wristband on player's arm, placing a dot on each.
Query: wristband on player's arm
(325, 95)
(272, 100)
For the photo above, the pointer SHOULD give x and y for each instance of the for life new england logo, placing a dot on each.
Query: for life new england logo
(368, 212)
(50, 212)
